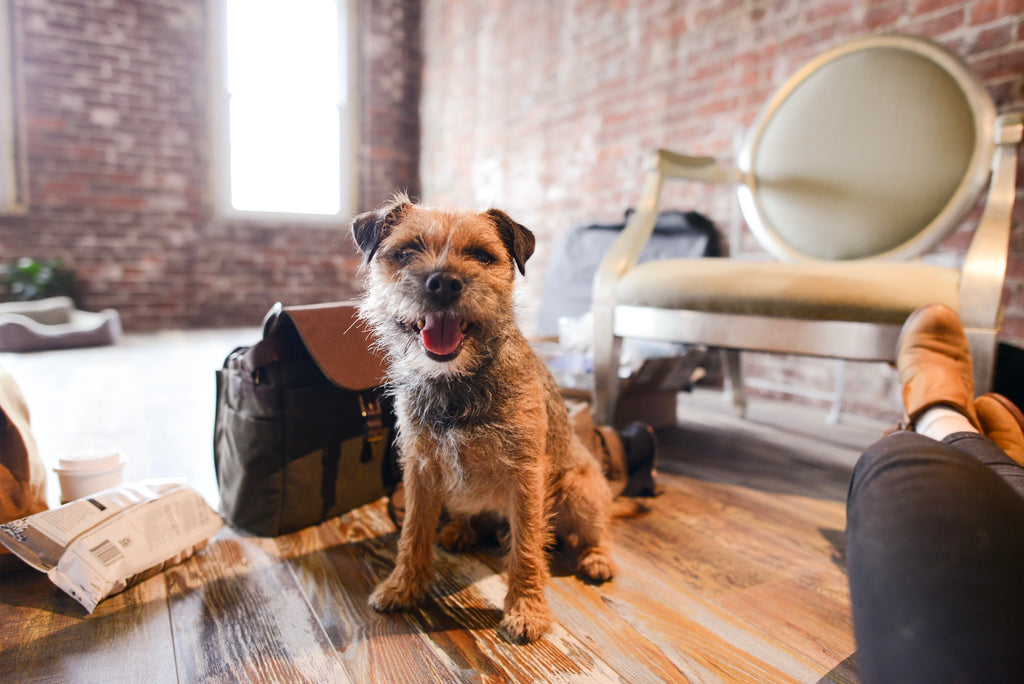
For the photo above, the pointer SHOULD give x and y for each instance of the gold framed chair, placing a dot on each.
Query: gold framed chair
(863, 161)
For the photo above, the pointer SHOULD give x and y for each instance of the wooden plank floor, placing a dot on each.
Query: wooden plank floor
(735, 574)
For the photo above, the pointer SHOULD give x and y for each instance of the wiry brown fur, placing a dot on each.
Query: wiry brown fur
(484, 431)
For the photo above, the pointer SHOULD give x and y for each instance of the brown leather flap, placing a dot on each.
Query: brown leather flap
(339, 343)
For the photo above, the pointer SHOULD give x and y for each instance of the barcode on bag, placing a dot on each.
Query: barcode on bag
(106, 553)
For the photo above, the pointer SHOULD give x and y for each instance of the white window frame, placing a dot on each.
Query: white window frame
(11, 200)
(220, 134)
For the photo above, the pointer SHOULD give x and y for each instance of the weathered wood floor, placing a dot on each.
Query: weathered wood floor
(736, 573)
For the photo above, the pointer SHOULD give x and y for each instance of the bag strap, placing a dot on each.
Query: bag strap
(257, 356)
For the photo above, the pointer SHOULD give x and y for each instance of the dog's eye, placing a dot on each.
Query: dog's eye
(404, 255)
(483, 256)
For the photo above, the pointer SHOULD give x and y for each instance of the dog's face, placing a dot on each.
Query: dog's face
(440, 283)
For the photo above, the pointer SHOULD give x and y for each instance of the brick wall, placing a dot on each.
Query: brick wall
(547, 108)
(544, 109)
(113, 107)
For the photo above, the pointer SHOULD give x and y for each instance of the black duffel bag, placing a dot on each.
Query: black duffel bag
(303, 429)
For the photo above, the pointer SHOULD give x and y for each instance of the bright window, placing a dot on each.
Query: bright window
(283, 122)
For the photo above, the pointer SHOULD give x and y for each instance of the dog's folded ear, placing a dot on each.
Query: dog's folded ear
(518, 239)
(370, 228)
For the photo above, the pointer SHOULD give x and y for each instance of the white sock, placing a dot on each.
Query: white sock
(939, 422)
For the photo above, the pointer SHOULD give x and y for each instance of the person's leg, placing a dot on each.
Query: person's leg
(935, 548)
(990, 454)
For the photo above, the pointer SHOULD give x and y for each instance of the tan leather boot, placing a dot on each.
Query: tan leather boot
(628, 457)
(1003, 423)
(934, 361)
(603, 442)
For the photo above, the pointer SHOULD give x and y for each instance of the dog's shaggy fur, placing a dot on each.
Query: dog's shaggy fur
(482, 428)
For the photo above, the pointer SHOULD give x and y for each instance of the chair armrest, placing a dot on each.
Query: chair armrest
(981, 283)
(625, 251)
(660, 164)
(675, 165)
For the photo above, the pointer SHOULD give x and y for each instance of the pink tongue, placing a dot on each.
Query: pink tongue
(441, 334)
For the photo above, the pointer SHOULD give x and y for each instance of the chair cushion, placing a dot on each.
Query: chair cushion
(866, 291)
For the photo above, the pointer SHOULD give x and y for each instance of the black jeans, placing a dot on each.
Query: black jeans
(935, 548)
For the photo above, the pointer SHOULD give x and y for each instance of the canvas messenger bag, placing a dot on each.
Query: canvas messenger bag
(303, 429)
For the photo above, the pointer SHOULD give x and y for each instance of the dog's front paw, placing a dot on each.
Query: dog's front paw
(596, 565)
(397, 594)
(523, 624)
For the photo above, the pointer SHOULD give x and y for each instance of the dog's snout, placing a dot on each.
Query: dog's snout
(444, 287)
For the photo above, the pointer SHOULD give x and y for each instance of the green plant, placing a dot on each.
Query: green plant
(28, 278)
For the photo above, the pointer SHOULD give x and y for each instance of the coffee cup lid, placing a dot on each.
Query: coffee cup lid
(90, 460)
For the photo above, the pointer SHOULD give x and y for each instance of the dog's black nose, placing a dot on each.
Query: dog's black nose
(443, 287)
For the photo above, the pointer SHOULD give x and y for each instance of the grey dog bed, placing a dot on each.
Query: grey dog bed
(55, 323)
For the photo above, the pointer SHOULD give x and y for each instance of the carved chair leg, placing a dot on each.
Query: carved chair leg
(983, 355)
(732, 367)
(606, 370)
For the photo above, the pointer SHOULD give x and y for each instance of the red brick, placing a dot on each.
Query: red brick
(926, 6)
(829, 10)
(994, 37)
(984, 11)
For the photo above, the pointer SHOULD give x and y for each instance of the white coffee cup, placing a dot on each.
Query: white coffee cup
(87, 471)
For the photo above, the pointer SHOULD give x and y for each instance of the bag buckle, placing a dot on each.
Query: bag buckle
(373, 424)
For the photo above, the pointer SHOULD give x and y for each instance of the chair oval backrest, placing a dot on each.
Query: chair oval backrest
(875, 149)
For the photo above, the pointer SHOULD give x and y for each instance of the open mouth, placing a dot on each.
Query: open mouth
(441, 335)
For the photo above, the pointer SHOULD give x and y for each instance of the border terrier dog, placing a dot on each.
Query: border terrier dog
(482, 429)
